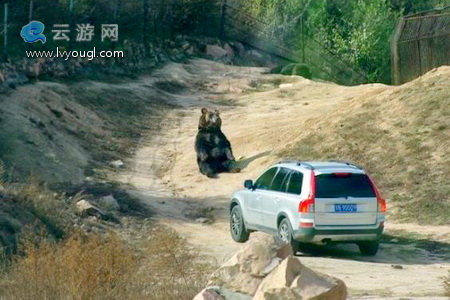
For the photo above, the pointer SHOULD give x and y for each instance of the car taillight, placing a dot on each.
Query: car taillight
(307, 205)
(381, 203)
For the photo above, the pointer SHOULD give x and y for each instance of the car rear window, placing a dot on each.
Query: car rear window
(343, 185)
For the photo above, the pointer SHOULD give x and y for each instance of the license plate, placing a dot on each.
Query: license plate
(345, 208)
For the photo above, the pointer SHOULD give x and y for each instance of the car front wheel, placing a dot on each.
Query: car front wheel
(237, 227)
(369, 248)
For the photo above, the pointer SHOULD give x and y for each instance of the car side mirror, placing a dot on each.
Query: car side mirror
(248, 184)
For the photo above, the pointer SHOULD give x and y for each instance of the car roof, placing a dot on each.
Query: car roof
(320, 167)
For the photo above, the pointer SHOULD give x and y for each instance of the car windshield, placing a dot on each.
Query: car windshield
(343, 185)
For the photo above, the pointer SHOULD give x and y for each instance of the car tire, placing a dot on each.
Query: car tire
(369, 248)
(237, 226)
(285, 234)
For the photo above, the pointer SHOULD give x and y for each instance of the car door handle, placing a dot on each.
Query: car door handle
(276, 200)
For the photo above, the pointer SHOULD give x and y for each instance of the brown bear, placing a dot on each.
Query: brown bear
(214, 153)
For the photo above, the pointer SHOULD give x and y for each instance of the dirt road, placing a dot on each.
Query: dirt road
(261, 114)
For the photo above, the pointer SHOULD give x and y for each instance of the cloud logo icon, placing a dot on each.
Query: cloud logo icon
(32, 32)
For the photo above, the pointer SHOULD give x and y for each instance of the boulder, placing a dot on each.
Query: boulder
(280, 278)
(109, 202)
(117, 163)
(255, 54)
(215, 52)
(208, 294)
(245, 271)
(314, 285)
(229, 50)
(86, 209)
(239, 48)
(202, 220)
(292, 280)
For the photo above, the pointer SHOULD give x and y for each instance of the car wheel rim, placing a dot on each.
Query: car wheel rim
(235, 224)
(284, 232)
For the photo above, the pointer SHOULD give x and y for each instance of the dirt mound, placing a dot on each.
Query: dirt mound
(401, 135)
(60, 133)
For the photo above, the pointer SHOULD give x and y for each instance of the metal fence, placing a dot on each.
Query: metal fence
(420, 43)
(163, 20)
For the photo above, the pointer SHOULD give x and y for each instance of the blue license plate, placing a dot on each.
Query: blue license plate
(343, 208)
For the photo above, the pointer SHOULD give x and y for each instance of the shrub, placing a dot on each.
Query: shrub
(105, 267)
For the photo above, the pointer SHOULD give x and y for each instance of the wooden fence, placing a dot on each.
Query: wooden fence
(420, 43)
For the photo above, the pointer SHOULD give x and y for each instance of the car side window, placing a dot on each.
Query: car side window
(294, 185)
(264, 181)
(278, 181)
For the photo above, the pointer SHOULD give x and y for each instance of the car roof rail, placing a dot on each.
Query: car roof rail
(347, 163)
(298, 162)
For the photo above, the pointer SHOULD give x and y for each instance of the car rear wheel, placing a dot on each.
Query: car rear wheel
(285, 234)
(369, 248)
(237, 227)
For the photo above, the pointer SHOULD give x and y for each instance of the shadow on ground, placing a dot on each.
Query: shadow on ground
(243, 163)
(393, 249)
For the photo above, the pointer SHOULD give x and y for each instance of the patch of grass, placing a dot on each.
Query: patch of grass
(224, 101)
(269, 83)
(34, 209)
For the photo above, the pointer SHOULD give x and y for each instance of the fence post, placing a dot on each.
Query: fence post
(115, 12)
(303, 39)
(395, 58)
(71, 35)
(30, 17)
(223, 20)
(30, 12)
(5, 32)
(145, 40)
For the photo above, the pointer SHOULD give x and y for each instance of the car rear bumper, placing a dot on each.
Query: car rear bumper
(315, 235)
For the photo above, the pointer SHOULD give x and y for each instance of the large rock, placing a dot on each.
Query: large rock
(266, 269)
(245, 271)
(229, 50)
(314, 285)
(208, 294)
(109, 202)
(216, 52)
(86, 209)
(292, 280)
(239, 48)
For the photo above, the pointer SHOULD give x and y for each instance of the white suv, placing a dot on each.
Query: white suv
(314, 202)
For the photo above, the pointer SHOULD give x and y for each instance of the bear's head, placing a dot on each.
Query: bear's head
(209, 119)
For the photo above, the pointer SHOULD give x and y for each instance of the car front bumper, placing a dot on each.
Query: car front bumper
(315, 235)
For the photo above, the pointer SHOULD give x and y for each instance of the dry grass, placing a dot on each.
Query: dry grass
(401, 136)
(447, 285)
(105, 267)
(33, 209)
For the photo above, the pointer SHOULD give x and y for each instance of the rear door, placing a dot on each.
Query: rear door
(344, 199)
